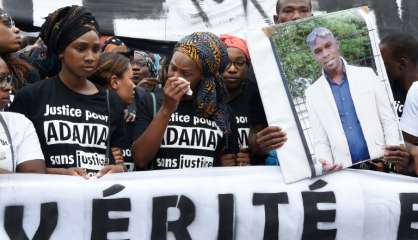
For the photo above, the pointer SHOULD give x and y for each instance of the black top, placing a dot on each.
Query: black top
(256, 115)
(240, 106)
(399, 95)
(189, 141)
(73, 129)
(144, 106)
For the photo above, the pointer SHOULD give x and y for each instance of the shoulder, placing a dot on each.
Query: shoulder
(38, 87)
(413, 93)
(15, 119)
(359, 70)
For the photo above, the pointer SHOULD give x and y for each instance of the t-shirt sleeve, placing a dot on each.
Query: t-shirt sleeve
(21, 102)
(256, 114)
(409, 119)
(144, 112)
(27, 145)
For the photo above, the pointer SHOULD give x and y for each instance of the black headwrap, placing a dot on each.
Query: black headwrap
(65, 25)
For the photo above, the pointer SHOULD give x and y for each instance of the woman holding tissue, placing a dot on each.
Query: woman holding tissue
(193, 127)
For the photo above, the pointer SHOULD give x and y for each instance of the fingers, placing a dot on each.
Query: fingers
(270, 138)
(329, 167)
(243, 159)
(117, 155)
(106, 169)
(228, 159)
(175, 89)
(78, 172)
(397, 155)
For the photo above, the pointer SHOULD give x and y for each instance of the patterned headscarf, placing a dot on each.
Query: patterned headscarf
(210, 53)
(150, 63)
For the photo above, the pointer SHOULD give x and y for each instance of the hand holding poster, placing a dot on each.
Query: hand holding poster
(328, 74)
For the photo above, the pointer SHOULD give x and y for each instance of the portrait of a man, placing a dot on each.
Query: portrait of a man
(348, 107)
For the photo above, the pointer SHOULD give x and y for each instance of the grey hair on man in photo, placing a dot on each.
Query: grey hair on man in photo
(318, 32)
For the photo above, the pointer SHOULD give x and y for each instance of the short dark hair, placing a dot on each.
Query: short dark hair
(278, 6)
(402, 45)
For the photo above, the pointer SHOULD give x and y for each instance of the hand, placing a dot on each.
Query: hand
(270, 138)
(328, 167)
(397, 155)
(243, 158)
(117, 155)
(73, 171)
(414, 159)
(110, 169)
(174, 89)
(228, 160)
(129, 116)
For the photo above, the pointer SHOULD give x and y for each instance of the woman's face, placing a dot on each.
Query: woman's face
(81, 56)
(5, 84)
(236, 71)
(183, 66)
(10, 38)
(124, 86)
(140, 68)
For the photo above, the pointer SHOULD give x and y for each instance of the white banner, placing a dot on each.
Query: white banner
(222, 203)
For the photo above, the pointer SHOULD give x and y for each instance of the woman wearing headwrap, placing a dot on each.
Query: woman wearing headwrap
(255, 148)
(192, 129)
(10, 41)
(235, 78)
(73, 119)
(145, 71)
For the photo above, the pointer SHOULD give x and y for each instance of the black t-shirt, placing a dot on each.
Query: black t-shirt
(146, 106)
(189, 141)
(73, 129)
(256, 115)
(240, 108)
(399, 95)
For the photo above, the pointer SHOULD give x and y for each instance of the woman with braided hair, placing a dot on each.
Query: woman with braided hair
(193, 127)
(73, 119)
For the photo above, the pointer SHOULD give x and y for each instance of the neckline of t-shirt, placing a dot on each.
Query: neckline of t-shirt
(99, 92)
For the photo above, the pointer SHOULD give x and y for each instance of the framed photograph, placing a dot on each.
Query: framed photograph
(323, 81)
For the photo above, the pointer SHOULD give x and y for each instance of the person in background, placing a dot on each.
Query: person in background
(409, 126)
(114, 44)
(10, 42)
(235, 78)
(114, 71)
(145, 71)
(193, 127)
(264, 139)
(400, 54)
(74, 120)
(19, 149)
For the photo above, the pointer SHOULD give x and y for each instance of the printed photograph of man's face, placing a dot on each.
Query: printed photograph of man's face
(343, 101)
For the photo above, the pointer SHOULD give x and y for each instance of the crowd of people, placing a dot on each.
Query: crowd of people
(76, 102)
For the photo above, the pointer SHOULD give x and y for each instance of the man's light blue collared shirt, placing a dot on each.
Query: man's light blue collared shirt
(351, 125)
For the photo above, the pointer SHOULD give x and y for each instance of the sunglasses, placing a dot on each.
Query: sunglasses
(6, 81)
(7, 20)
